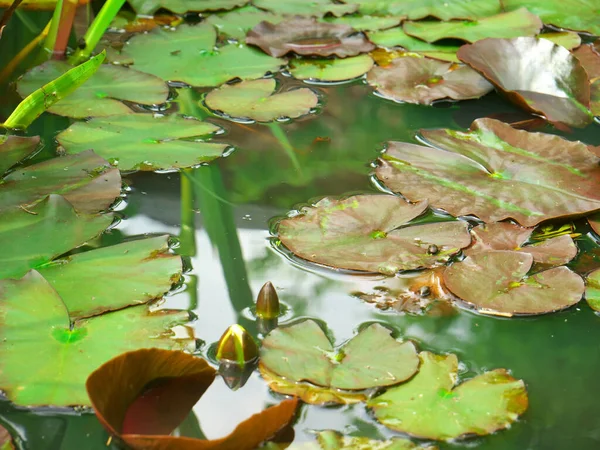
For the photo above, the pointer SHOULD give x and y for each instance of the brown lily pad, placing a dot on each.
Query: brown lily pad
(308, 37)
(589, 58)
(536, 74)
(423, 80)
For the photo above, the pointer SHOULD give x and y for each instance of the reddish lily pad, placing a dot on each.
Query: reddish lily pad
(431, 406)
(371, 233)
(592, 290)
(589, 58)
(142, 396)
(314, 8)
(419, 9)
(343, 69)
(308, 37)
(15, 148)
(148, 7)
(495, 172)
(496, 282)
(423, 80)
(536, 74)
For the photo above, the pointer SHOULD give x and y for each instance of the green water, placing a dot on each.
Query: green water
(230, 214)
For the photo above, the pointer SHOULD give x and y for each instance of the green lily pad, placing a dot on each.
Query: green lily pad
(396, 37)
(303, 352)
(235, 24)
(257, 100)
(100, 95)
(419, 9)
(187, 54)
(495, 172)
(333, 440)
(592, 290)
(423, 80)
(143, 142)
(566, 39)
(86, 180)
(60, 353)
(536, 74)
(330, 69)
(589, 58)
(308, 37)
(30, 239)
(578, 15)
(507, 25)
(110, 278)
(366, 23)
(371, 233)
(314, 8)
(496, 282)
(15, 148)
(432, 406)
(149, 7)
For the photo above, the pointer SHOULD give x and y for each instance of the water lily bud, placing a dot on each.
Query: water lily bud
(267, 303)
(236, 345)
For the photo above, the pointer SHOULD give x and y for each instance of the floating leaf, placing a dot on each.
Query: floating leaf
(396, 37)
(235, 24)
(423, 80)
(592, 290)
(15, 148)
(86, 180)
(590, 60)
(60, 353)
(143, 142)
(566, 39)
(188, 54)
(315, 8)
(100, 95)
(331, 69)
(308, 37)
(148, 7)
(30, 239)
(371, 233)
(495, 172)
(496, 282)
(419, 9)
(333, 440)
(258, 101)
(110, 278)
(536, 74)
(431, 406)
(366, 23)
(513, 24)
(302, 352)
(142, 396)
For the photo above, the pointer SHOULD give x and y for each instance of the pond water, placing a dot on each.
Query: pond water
(236, 200)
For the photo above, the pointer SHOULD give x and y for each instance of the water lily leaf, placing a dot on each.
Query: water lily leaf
(100, 95)
(258, 101)
(590, 60)
(366, 23)
(15, 148)
(314, 8)
(30, 239)
(536, 74)
(149, 7)
(432, 406)
(333, 440)
(578, 15)
(495, 172)
(111, 278)
(371, 233)
(419, 9)
(143, 142)
(566, 39)
(396, 37)
(331, 69)
(142, 396)
(302, 352)
(61, 353)
(235, 24)
(86, 180)
(308, 37)
(592, 290)
(423, 80)
(506, 25)
(496, 282)
(187, 54)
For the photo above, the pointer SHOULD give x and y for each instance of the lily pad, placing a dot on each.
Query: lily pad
(496, 282)
(100, 95)
(235, 24)
(396, 37)
(61, 354)
(149, 7)
(423, 80)
(303, 352)
(308, 37)
(592, 290)
(536, 74)
(110, 278)
(495, 172)
(366, 23)
(589, 58)
(578, 15)
(143, 142)
(15, 148)
(86, 180)
(431, 406)
(371, 233)
(30, 239)
(187, 54)
(419, 9)
(566, 39)
(314, 8)
(257, 100)
(330, 69)
(333, 440)
(507, 25)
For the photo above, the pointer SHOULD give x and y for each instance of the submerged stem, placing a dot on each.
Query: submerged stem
(280, 135)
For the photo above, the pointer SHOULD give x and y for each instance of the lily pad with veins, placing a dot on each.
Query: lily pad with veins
(339, 69)
(419, 9)
(313, 8)
(371, 233)
(495, 172)
(148, 7)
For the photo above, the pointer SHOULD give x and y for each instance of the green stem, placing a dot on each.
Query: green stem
(67, 16)
(187, 235)
(52, 34)
(280, 135)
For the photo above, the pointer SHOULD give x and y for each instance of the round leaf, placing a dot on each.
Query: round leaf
(148, 7)
(15, 148)
(419, 9)
(315, 8)
(235, 24)
(366, 23)
(330, 69)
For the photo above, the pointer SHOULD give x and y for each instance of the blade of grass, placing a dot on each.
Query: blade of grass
(40, 100)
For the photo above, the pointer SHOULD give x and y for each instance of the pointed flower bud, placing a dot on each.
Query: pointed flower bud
(236, 345)
(267, 303)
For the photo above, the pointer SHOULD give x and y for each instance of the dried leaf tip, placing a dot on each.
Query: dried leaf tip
(267, 302)
(236, 345)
